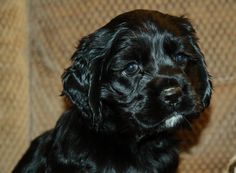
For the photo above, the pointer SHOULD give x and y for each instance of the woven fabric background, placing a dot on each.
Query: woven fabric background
(37, 39)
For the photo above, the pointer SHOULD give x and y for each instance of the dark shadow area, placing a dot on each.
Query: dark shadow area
(190, 138)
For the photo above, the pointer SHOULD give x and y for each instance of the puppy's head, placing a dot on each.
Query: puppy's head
(142, 70)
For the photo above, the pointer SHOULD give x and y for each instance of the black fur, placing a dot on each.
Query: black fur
(132, 83)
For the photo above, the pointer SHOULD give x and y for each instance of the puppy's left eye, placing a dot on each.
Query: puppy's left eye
(181, 59)
(131, 69)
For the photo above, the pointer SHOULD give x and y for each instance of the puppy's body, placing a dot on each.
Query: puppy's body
(132, 83)
(89, 152)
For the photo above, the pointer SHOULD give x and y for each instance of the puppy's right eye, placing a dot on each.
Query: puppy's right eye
(131, 69)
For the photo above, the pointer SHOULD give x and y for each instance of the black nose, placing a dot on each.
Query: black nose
(172, 95)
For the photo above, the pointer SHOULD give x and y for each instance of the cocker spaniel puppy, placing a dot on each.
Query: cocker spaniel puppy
(132, 84)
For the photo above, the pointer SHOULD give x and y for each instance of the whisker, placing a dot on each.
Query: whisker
(189, 125)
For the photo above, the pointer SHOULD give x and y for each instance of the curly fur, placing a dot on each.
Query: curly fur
(132, 83)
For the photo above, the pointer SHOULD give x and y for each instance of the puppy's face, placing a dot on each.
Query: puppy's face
(145, 70)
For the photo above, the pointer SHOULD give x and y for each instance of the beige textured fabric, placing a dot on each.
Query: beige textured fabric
(37, 39)
(14, 83)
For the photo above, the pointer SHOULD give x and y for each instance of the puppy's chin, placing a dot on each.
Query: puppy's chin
(174, 122)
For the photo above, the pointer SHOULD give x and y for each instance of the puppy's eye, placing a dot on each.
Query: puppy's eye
(131, 69)
(181, 58)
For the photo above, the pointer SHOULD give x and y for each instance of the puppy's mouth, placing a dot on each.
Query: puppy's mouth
(168, 123)
(174, 122)
(171, 122)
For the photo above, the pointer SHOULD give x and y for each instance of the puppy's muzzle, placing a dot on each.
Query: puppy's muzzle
(172, 95)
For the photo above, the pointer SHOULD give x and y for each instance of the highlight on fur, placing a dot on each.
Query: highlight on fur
(132, 83)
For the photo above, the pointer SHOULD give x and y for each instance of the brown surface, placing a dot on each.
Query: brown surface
(37, 39)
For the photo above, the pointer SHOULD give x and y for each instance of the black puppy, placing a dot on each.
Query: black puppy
(132, 83)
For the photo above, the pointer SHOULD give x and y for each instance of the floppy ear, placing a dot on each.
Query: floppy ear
(205, 87)
(81, 81)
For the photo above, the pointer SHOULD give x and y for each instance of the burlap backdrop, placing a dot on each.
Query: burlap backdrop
(37, 39)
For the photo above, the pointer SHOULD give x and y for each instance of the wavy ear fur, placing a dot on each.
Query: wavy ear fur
(207, 85)
(206, 88)
(81, 81)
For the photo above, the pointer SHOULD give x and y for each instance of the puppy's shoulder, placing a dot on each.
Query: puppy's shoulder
(35, 157)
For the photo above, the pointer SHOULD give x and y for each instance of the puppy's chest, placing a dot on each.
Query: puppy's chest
(125, 166)
(114, 159)
(118, 164)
